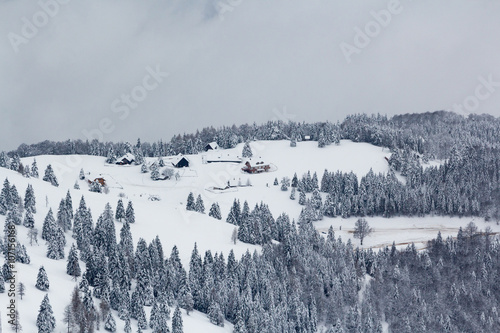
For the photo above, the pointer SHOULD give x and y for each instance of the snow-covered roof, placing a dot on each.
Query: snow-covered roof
(177, 158)
(128, 156)
(255, 161)
(213, 145)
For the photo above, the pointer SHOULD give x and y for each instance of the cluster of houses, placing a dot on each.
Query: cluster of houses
(251, 166)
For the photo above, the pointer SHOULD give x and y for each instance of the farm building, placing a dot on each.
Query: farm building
(212, 146)
(99, 180)
(126, 159)
(180, 161)
(256, 166)
(221, 158)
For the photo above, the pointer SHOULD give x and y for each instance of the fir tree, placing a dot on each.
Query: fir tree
(34, 169)
(63, 216)
(120, 211)
(215, 211)
(73, 266)
(45, 321)
(76, 186)
(247, 151)
(50, 176)
(29, 199)
(302, 198)
(190, 205)
(144, 168)
(199, 206)
(155, 171)
(234, 213)
(81, 176)
(95, 186)
(129, 213)
(4, 160)
(110, 324)
(69, 205)
(215, 314)
(55, 243)
(292, 194)
(177, 326)
(42, 281)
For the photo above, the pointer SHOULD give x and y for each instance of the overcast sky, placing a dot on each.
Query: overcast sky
(236, 61)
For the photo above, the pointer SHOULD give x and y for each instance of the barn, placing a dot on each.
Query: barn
(180, 162)
(126, 159)
(212, 146)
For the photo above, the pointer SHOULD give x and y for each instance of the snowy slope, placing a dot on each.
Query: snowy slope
(169, 220)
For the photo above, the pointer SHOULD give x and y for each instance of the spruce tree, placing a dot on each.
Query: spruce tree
(190, 205)
(234, 213)
(247, 151)
(199, 206)
(48, 225)
(69, 204)
(73, 266)
(215, 211)
(45, 321)
(120, 211)
(110, 324)
(129, 213)
(81, 176)
(55, 243)
(63, 216)
(29, 199)
(50, 176)
(177, 326)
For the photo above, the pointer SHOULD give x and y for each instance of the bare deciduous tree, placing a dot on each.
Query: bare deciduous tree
(362, 229)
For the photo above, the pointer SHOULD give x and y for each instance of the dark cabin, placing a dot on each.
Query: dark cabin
(212, 146)
(182, 162)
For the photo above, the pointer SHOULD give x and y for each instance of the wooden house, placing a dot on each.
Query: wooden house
(256, 166)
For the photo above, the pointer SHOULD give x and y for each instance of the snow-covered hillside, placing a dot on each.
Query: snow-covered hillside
(168, 218)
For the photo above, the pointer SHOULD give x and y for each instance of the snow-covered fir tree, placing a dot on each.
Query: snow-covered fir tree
(129, 213)
(50, 176)
(120, 211)
(110, 323)
(73, 265)
(190, 204)
(199, 206)
(30, 199)
(42, 280)
(34, 169)
(215, 211)
(81, 175)
(247, 151)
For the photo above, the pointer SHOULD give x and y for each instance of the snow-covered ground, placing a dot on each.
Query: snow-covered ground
(169, 220)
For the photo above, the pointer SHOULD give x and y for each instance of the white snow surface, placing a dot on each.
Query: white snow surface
(169, 220)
